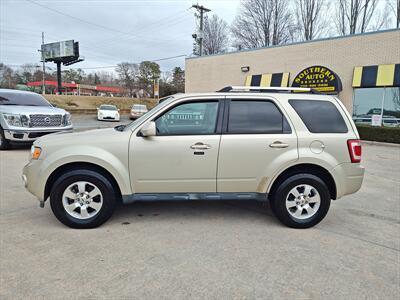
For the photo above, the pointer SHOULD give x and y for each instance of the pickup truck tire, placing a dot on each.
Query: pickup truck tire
(82, 199)
(4, 144)
(301, 201)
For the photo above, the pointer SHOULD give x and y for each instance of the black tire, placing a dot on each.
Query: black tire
(278, 200)
(4, 143)
(108, 192)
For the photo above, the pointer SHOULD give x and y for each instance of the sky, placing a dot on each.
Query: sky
(108, 31)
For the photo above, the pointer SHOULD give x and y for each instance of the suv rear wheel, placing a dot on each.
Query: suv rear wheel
(82, 199)
(301, 201)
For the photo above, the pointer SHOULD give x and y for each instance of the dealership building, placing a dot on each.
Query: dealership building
(363, 69)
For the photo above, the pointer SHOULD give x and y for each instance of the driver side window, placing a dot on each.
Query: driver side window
(194, 118)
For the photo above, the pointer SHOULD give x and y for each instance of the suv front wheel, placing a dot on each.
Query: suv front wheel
(82, 199)
(4, 144)
(301, 201)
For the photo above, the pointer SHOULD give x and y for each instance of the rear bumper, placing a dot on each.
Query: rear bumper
(30, 135)
(348, 177)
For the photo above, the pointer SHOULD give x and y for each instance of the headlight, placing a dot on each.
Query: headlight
(24, 121)
(35, 152)
(16, 120)
(67, 119)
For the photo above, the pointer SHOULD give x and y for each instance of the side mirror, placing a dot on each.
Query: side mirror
(149, 129)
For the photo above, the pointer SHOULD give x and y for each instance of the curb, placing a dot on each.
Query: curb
(380, 143)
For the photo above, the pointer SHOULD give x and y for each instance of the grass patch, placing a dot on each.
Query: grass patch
(71, 102)
(379, 134)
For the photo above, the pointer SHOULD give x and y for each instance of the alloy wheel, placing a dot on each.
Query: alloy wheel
(82, 200)
(303, 201)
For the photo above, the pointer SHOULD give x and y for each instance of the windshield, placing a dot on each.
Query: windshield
(139, 107)
(25, 99)
(108, 107)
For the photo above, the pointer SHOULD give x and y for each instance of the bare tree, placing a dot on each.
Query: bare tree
(398, 14)
(216, 37)
(128, 73)
(394, 6)
(308, 15)
(355, 16)
(6, 76)
(262, 23)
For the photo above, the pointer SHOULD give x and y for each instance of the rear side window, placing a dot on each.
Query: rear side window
(319, 116)
(256, 117)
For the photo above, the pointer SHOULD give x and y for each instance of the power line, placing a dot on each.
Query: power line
(95, 54)
(88, 22)
(171, 18)
(153, 60)
(114, 66)
(76, 18)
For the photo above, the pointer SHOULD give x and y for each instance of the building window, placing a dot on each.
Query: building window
(368, 102)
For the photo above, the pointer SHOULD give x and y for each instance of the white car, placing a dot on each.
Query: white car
(108, 112)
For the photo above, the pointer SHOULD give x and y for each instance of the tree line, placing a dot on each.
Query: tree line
(262, 23)
(136, 79)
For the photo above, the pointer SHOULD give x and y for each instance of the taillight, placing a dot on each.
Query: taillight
(354, 150)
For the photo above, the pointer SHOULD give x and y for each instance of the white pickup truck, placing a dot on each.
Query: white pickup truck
(26, 116)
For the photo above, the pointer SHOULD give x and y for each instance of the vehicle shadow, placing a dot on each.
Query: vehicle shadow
(20, 146)
(193, 209)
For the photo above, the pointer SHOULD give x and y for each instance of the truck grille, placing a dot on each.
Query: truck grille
(45, 120)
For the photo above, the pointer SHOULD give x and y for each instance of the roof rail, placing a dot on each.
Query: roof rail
(266, 89)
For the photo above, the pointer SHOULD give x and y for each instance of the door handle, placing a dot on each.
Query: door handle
(200, 146)
(278, 144)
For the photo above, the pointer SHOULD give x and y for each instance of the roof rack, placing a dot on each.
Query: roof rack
(267, 89)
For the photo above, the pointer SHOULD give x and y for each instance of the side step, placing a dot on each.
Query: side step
(193, 196)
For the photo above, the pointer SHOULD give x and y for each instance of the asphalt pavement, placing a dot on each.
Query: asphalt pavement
(203, 249)
(89, 121)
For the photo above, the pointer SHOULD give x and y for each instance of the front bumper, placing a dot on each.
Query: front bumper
(31, 178)
(108, 118)
(136, 115)
(25, 135)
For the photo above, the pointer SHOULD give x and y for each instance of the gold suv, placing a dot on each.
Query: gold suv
(292, 147)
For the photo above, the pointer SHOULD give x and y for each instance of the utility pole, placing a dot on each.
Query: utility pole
(59, 81)
(201, 9)
(44, 66)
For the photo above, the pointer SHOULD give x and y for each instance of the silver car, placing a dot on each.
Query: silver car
(137, 111)
(26, 116)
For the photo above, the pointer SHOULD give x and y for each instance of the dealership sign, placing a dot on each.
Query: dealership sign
(318, 78)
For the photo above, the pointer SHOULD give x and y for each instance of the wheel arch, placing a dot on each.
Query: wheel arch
(77, 166)
(308, 168)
